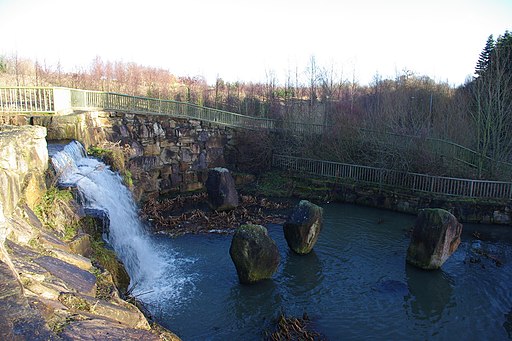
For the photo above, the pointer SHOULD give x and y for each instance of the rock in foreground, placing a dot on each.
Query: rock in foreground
(302, 228)
(436, 235)
(254, 253)
(222, 194)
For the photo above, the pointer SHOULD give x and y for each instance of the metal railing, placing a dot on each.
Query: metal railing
(53, 100)
(27, 100)
(386, 177)
(57, 100)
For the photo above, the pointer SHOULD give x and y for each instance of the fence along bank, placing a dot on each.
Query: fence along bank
(172, 141)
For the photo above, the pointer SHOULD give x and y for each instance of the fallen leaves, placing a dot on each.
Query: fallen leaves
(292, 328)
(188, 214)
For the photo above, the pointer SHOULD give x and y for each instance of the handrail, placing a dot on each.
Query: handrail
(60, 100)
(387, 177)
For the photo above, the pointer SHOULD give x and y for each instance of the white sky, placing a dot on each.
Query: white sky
(242, 40)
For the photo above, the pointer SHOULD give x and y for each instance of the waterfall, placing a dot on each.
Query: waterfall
(154, 274)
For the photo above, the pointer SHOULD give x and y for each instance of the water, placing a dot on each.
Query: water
(152, 272)
(354, 286)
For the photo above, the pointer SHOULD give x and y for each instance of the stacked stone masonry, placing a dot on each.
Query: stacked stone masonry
(166, 154)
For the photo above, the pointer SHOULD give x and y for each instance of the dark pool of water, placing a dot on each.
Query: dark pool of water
(355, 285)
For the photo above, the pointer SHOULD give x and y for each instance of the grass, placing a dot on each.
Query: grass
(284, 185)
(114, 156)
(56, 212)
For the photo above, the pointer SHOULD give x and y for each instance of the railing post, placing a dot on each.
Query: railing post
(380, 178)
(61, 100)
(471, 188)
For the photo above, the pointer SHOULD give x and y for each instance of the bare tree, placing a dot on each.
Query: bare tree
(492, 113)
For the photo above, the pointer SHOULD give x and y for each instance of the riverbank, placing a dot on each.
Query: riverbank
(67, 284)
(323, 190)
(58, 280)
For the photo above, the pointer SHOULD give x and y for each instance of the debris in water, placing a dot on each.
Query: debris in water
(292, 328)
(189, 214)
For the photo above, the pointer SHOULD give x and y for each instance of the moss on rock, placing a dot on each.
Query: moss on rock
(254, 253)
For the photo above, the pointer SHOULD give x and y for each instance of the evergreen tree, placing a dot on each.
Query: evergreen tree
(484, 60)
(503, 50)
(492, 106)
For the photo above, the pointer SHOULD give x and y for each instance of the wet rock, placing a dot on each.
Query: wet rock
(436, 235)
(222, 194)
(50, 241)
(502, 218)
(71, 258)
(302, 228)
(254, 253)
(75, 278)
(100, 217)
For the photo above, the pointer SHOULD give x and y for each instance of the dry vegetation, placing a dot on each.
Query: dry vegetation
(361, 118)
(190, 214)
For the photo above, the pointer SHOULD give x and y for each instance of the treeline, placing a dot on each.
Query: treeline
(476, 114)
(408, 104)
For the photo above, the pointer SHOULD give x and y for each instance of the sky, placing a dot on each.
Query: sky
(241, 40)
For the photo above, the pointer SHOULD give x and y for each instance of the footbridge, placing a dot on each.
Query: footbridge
(63, 101)
(59, 101)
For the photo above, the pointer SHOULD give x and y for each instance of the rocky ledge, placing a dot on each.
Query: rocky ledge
(50, 291)
(53, 285)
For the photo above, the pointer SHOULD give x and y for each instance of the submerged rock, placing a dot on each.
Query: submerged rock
(303, 227)
(222, 194)
(436, 235)
(254, 253)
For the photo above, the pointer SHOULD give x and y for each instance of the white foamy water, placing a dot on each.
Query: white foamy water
(155, 273)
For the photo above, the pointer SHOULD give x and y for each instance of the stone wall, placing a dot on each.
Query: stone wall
(168, 154)
(465, 210)
(165, 154)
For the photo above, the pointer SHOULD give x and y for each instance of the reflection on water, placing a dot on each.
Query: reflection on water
(248, 300)
(355, 285)
(302, 273)
(430, 293)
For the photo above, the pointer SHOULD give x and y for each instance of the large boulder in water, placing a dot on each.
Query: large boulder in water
(222, 194)
(254, 253)
(436, 235)
(302, 228)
